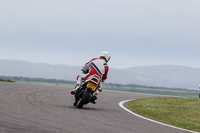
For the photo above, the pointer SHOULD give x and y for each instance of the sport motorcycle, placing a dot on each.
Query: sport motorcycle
(86, 93)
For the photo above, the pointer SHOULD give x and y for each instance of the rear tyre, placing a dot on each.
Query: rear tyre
(84, 99)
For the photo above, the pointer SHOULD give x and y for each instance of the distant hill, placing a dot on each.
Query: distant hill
(37, 70)
(162, 75)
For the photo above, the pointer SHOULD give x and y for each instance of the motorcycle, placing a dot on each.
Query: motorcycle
(86, 93)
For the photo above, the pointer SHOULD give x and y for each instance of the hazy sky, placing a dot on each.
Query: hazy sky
(71, 32)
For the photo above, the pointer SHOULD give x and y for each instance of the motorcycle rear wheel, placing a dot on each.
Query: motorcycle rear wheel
(84, 99)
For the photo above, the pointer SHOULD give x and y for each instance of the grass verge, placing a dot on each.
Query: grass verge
(71, 85)
(6, 80)
(176, 111)
(181, 92)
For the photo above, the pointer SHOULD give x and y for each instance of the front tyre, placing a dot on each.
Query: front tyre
(84, 99)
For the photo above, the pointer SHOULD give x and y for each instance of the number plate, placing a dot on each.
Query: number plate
(91, 85)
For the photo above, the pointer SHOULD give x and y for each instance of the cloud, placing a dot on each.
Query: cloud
(135, 32)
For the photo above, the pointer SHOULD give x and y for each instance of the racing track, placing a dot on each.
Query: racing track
(44, 109)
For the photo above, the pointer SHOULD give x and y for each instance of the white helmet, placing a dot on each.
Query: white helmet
(106, 55)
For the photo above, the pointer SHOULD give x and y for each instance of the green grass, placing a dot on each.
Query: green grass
(176, 111)
(181, 92)
(6, 80)
(160, 91)
(155, 90)
(70, 85)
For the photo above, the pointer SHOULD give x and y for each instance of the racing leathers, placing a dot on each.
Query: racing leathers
(96, 66)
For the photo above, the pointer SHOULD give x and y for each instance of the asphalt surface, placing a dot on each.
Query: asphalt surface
(43, 109)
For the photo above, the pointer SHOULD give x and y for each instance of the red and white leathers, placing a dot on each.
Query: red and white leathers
(96, 66)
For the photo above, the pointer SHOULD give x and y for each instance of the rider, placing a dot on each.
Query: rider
(96, 66)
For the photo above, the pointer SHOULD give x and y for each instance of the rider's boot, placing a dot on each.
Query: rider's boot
(93, 99)
(74, 90)
(93, 102)
(78, 84)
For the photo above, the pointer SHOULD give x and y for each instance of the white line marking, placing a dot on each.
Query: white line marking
(121, 104)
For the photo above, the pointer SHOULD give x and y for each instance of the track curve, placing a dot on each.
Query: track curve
(46, 109)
